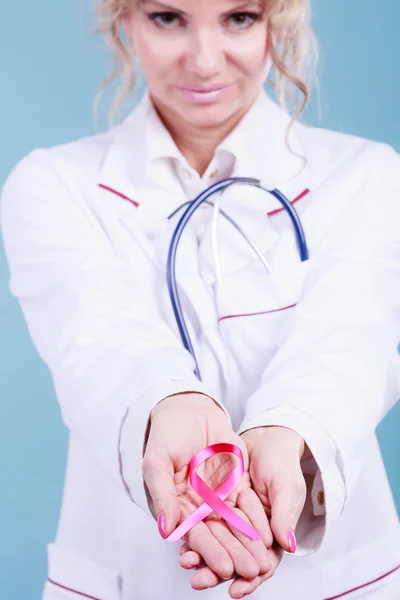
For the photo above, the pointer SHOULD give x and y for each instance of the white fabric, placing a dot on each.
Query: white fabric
(88, 268)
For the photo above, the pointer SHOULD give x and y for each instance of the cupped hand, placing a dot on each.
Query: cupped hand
(204, 577)
(275, 455)
(180, 426)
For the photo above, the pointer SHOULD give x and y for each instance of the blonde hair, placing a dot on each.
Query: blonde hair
(291, 46)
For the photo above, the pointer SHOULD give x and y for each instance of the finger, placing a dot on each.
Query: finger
(243, 561)
(278, 480)
(201, 540)
(287, 493)
(256, 548)
(190, 559)
(249, 503)
(158, 474)
(241, 586)
(204, 578)
(184, 548)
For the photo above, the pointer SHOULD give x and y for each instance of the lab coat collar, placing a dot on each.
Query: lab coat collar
(159, 142)
(161, 146)
(263, 126)
(258, 144)
(269, 153)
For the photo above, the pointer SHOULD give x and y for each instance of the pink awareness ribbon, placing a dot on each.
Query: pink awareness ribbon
(213, 500)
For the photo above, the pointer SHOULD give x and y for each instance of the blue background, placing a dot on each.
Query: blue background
(51, 65)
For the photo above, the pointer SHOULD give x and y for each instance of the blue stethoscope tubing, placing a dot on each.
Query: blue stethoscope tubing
(176, 236)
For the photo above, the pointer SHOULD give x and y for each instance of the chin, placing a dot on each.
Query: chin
(207, 116)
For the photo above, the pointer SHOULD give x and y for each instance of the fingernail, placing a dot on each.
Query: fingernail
(242, 596)
(292, 541)
(188, 567)
(162, 526)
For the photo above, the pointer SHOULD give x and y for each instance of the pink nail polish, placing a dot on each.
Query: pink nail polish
(162, 526)
(292, 541)
(189, 567)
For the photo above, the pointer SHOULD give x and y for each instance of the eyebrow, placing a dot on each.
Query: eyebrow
(174, 9)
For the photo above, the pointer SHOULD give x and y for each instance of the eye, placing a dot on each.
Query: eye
(242, 20)
(166, 20)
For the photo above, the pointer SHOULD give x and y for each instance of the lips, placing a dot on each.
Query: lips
(205, 90)
(205, 95)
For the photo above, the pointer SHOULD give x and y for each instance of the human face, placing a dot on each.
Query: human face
(204, 61)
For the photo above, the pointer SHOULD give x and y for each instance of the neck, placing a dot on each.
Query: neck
(197, 144)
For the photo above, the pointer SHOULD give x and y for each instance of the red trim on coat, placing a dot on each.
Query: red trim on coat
(364, 584)
(105, 187)
(135, 203)
(71, 590)
(299, 197)
(266, 312)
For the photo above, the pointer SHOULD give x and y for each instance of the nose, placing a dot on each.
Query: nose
(205, 56)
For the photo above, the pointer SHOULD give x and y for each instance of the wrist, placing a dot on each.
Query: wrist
(182, 398)
(282, 435)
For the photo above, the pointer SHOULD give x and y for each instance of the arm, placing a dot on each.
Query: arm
(336, 375)
(111, 357)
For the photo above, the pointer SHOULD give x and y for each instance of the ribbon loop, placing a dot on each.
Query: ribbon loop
(213, 500)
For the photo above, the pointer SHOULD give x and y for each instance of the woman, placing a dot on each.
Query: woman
(298, 366)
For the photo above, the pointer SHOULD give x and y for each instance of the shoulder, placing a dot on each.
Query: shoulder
(82, 159)
(78, 166)
(54, 184)
(84, 155)
(328, 152)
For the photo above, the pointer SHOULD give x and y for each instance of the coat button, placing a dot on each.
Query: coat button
(213, 174)
(321, 498)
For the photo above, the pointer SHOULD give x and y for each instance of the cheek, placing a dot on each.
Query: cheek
(250, 54)
(157, 57)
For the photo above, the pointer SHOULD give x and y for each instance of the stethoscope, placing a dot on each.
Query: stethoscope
(192, 206)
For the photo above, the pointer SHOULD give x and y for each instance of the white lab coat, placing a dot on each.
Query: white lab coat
(312, 347)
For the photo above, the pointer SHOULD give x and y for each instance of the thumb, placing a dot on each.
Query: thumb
(287, 495)
(158, 474)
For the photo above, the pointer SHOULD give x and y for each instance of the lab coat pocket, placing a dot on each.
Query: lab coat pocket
(256, 311)
(252, 291)
(72, 576)
(385, 588)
